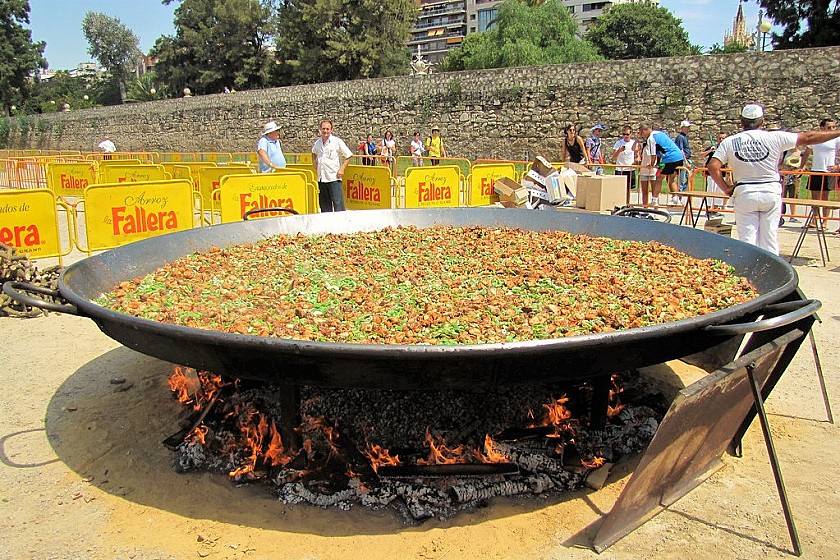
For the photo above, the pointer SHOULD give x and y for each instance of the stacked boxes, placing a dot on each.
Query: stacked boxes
(545, 181)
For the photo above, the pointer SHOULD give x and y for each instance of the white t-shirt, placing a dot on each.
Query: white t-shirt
(753, 156)
(328, 157)
(626, 156)
(417, 147)
(649, 153)
(107, 146)
(825, 155)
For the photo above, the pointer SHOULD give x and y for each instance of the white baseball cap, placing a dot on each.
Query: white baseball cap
(685, 123)
(752, 112)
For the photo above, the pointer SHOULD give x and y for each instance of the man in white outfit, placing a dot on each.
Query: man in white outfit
(754, 185)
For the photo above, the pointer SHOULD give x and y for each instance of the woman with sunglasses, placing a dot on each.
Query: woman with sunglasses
(573, 149)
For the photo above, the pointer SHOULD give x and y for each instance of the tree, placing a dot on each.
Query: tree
(806, 23)
(113, 44)
(20, 58)
(643, 30)
(726, 49)
(524, 34)
(333, 40)
(217, 44)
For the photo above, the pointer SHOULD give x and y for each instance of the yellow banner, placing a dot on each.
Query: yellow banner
(209, 179)
(70, 179)
(29, 222)
(241, 193)
(120, 213)
(433, 186)
(367, 187)
(482, 177)
(130, 173)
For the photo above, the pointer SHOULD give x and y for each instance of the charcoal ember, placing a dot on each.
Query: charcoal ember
(537, 463)
(296, 493)
(616, 440)
(479, 491)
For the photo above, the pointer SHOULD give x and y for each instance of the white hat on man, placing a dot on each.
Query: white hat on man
(269, 127)
(752, 112)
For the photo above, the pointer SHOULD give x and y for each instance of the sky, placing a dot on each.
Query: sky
(59, 23)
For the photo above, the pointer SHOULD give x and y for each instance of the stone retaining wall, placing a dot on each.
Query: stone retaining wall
(508, 113)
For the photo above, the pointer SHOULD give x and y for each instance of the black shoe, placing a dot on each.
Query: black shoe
(781, 222)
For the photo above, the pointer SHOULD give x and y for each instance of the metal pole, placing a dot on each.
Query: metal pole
(774, 460)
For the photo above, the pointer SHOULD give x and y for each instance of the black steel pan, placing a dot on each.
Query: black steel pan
(420, 366)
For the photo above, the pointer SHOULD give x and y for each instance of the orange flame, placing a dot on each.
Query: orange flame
(194, 388)
(615, 393)
(262, 442)
(440, 454)
(197, 435)
(593, 463)
(490, 454)
(379, 456)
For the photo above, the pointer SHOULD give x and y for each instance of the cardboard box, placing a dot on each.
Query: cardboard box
(604, 192)
(510, 191)
(722, 229)
(542, 166)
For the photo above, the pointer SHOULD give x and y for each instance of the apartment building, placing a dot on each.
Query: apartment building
(443, 24)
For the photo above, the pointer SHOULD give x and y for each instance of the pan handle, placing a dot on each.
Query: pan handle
(11, 289)
(274, 209)
(793, 311)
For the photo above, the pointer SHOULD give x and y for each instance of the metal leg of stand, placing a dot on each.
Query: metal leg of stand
(820, 377)
(774, 460)
(802, 233)
(821, 242)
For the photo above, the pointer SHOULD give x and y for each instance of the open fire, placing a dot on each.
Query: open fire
(425, 453)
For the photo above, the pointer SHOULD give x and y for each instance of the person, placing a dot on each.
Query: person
(626, 152)
(107, 146)
(417, 149)
(754, 184)
(269, 151)
(825, 156)
(369, 149)
(648, 170)
(684, 144)
(592, 149)
(330, 156)
(436, 147)
(389, 149)
(709, 148)
(573, 149)
(791, 162)
(669, 157)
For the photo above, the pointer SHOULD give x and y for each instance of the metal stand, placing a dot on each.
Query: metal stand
(820, 377)
(774, 460)
(704, 420)
(813, 217)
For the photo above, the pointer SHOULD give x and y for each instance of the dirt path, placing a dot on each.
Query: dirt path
(83, 473)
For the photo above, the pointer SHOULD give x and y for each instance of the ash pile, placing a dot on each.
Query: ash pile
(425, 454)
(16, 267)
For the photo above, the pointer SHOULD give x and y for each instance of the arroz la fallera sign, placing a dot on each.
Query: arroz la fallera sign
(120, 213)
(433, 187)
(367, 187)
(70, 179)
(242, 193)
(482, 178)
(29, 222)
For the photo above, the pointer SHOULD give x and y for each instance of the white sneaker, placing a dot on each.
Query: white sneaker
(675, 201)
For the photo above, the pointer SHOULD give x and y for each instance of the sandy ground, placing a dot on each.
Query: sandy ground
(83, 473)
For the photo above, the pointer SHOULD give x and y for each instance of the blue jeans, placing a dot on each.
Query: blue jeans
(683, 180)
(331, 196)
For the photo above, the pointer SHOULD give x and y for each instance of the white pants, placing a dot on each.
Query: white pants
(757, 218)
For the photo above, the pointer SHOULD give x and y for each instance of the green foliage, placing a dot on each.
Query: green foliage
(113, 44)
(730, 48)
(806, 23)
(6, 127)
(334, 40)
(630, 31)
(146, 88)
(217, 44)
(20, 58)
(523, 35)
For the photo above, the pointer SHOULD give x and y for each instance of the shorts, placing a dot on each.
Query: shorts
(671, 168)
(647, 174)
(821, 183)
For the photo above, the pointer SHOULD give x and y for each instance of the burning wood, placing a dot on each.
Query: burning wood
(345, 460)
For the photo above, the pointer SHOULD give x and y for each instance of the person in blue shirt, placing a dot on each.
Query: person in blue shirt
(669, 157)
(269, 152)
